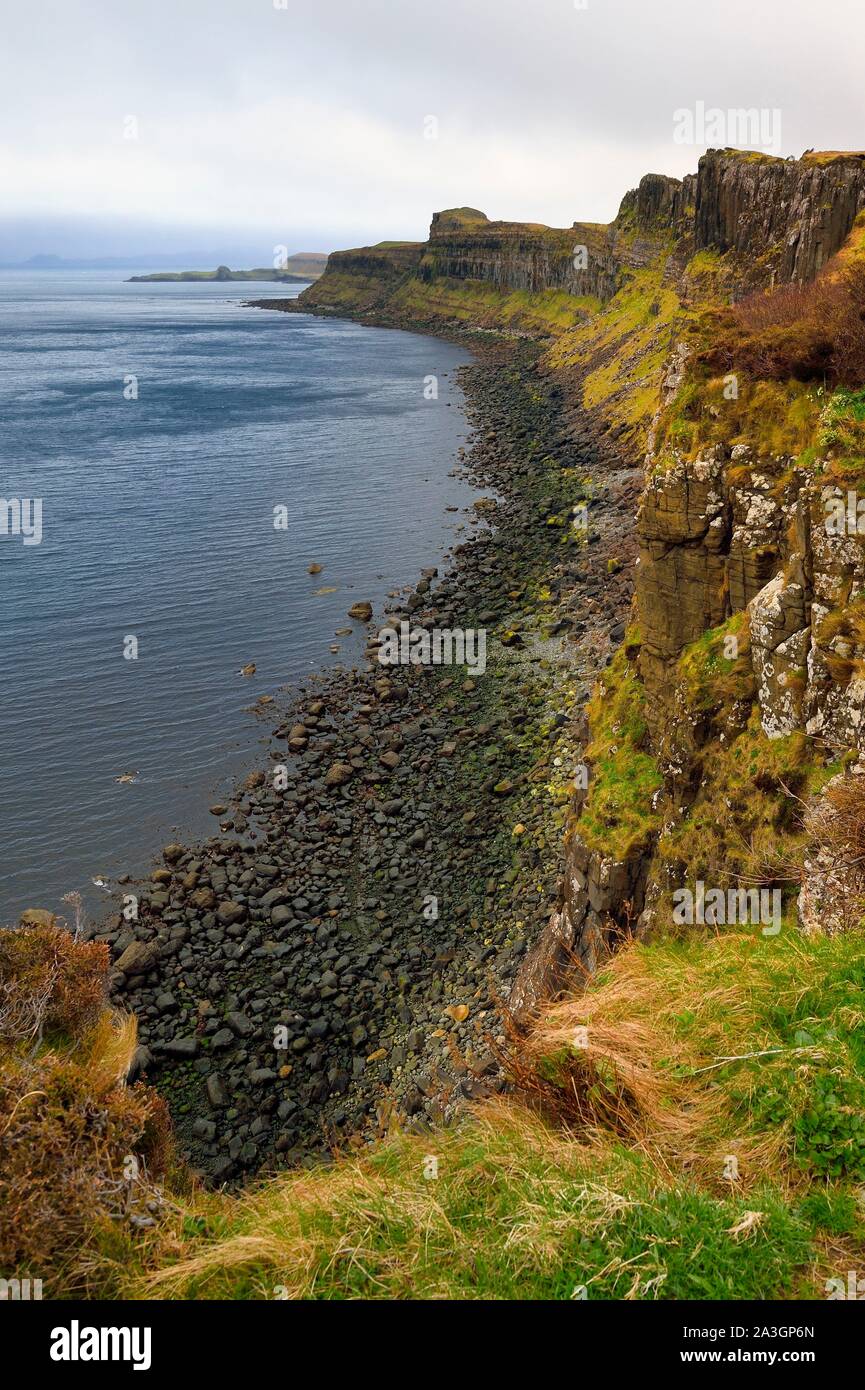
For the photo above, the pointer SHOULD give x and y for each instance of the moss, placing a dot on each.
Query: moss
(618, 813)
(821, 157)
(483, 304)
(623, 350)
(844, 624)
(348, 291)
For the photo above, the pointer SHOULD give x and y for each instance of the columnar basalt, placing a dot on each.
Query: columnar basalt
(729, 531)
(775, 219)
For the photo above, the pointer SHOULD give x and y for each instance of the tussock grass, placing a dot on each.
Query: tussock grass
(603, 1172)
(518, 1211)
(608, 1169)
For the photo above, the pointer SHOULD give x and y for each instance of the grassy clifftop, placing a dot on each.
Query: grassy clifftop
(612, 298)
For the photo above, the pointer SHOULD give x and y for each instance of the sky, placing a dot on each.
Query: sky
(231, 127)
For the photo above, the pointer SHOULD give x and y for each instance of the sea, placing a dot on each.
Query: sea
(171, 464)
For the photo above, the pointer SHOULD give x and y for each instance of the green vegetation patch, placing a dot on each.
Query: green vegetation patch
(623, 351)
(731, 1048)
(618, 813)
(716, 670)
(481, 303)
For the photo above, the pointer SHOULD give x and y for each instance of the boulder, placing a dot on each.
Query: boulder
(138, 958)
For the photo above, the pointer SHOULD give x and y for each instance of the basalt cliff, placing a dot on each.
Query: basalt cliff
(694, 331)
(775, 220)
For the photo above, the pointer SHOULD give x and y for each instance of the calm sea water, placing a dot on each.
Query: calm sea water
(158, 524)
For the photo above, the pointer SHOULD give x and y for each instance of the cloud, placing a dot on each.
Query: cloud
(273, 122)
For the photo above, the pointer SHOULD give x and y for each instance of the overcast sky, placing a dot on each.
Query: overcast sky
(306, 125)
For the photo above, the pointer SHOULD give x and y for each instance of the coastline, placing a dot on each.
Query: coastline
(169, 735)
(337, 959)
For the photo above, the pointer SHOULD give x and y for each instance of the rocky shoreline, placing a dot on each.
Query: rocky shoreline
(335, 960)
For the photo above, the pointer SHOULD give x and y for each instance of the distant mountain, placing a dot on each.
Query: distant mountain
(48, 262)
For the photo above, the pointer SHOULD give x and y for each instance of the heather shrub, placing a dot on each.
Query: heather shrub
(79, 1149)
(48, 982)
(76, 1155)
(814, 331)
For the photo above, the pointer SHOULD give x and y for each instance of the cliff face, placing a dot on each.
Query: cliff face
(586, 260)
(747, 651)
(464, 245)
(774, 219)
(740, 688)
(785, 218)
(725, 534)
(363, 280)
(734, 549)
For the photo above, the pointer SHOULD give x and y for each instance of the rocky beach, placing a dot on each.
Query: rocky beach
(337, 958)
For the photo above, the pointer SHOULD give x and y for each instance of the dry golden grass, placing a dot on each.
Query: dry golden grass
(305, 1230)
(836, 822)
(603, 1167)
(583, 1152)
(632, 1072)
(110, 1046)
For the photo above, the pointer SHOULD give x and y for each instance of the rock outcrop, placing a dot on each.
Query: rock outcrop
(783, 218)
(775, 219)
(712, 545)
(597, 892)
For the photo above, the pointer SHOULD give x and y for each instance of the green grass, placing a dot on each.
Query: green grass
(482, 304)
(624, 776)
(627, 1201)
(504, 1222)
(841, 432)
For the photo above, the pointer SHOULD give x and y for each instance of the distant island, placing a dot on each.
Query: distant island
(301, 268)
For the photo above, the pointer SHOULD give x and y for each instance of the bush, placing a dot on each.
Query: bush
(814, 331)
(67, 1135)
(78, 1148)
(48, 982)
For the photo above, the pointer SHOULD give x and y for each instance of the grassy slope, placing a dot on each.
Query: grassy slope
(614, 1179)
(619, 355)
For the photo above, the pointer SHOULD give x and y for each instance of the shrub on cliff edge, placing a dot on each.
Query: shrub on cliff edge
(78, 1148)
